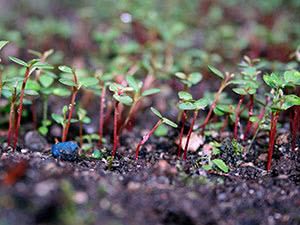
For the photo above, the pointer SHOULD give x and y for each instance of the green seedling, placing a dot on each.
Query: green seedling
(224, 84)
(82, 118)
(76, 84)
(280, 102)
(31, 66)
(159, 122)
(190, 104)
(119, 97)
(138, 95)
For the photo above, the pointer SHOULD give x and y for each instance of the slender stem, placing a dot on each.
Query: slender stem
(75, 90)
(189, 134)
(250, 113)
(295, 127)
(80, 134)
(183, 118)
(274, 119)
(115, 128)
(102, 102)
(145, 138)
(225, 122)
(27, 74)
(11, 112)
(237, 114)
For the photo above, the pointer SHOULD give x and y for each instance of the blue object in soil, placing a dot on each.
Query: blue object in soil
(65, 150)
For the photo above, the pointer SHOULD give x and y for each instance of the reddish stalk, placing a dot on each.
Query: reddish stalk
(145, 138)
(295, 127)
(237, 114)
(250, 113)
(102, 102)
(189, 134)
(27, 74)
(75, 90)
(183, 118)
(274, 118)
(115, 128)
(11, 113)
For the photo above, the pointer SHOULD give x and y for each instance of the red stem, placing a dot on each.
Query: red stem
(145, 138)
(115, 128)
(183, 118)
(274, 119)
(237, 114)
(250, 113)
(189, 134)
(12, 106)
(21, 107)
(75, 90)
(101, 116)
(295, 127)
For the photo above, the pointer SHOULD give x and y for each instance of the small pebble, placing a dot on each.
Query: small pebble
(65, 150)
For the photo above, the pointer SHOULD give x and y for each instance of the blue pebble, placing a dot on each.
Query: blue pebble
(65, 150)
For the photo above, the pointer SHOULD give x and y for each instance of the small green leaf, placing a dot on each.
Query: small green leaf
(61, 92)
(31, 92)
(239, 91)
(18, 61)
(67, 82)
(32, 85)
(292, 77)
(151, 91)
(43, 130)
(180, 75)
(156, 112)
(161, 131)
(124, 99)
(289, 101)
(194, 78)
(2, 44)
(88, 81)
(132, 83)
(46, 80)
(221, 165)
(201, 103)
(86, 120)
(46, 123)
(218, 112)
(65, 69)
(216, 71)
(96, 154)
(254, 119)
(185, 96)
(169, 122)
(74, 120)
(186, 106)
(207, 167)
(57, 118)
(64, 110)
(224, 108)
(44, 66)
(107, 77)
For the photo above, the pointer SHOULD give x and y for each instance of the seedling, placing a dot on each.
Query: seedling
(160, 121)
(82, 118)
(119, 97)
(280, 102)
(224, 84)
(30, 68)
(190, 104)
(138, 96)
(76, 84)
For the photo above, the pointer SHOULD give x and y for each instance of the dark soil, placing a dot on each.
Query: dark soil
(156, 189)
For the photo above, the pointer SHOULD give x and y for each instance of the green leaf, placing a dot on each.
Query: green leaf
(65, 69)
(44, 66)
(96, 154)
(132, 83)
(31, 92)
(124, 99)
(57, 118)
(292, 77)
(61, 92)
(64, 110)
(46, 123)
(207, 167)
(18, 61)
(43, 130)
(67, 82)
(86, 120)
(107, 77)
(46, 80)
(186, 106)
(289, 101)
(74, 120)
(161, 131)
(156, 112)
(218, 112)
(254, 119)
(224, 108)
(194, 78)
(221, 165)
(201, 103)
(88, 81)
(180, 75)
(151, 91)
(216, 71)
(169, 122)
(239, 91)
(32, 85)
(185, 96)
(274, 81)
(2, 44)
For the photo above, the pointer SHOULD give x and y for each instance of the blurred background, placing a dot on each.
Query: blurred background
(194, 32)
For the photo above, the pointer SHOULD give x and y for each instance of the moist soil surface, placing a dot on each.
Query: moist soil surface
(158, 188)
